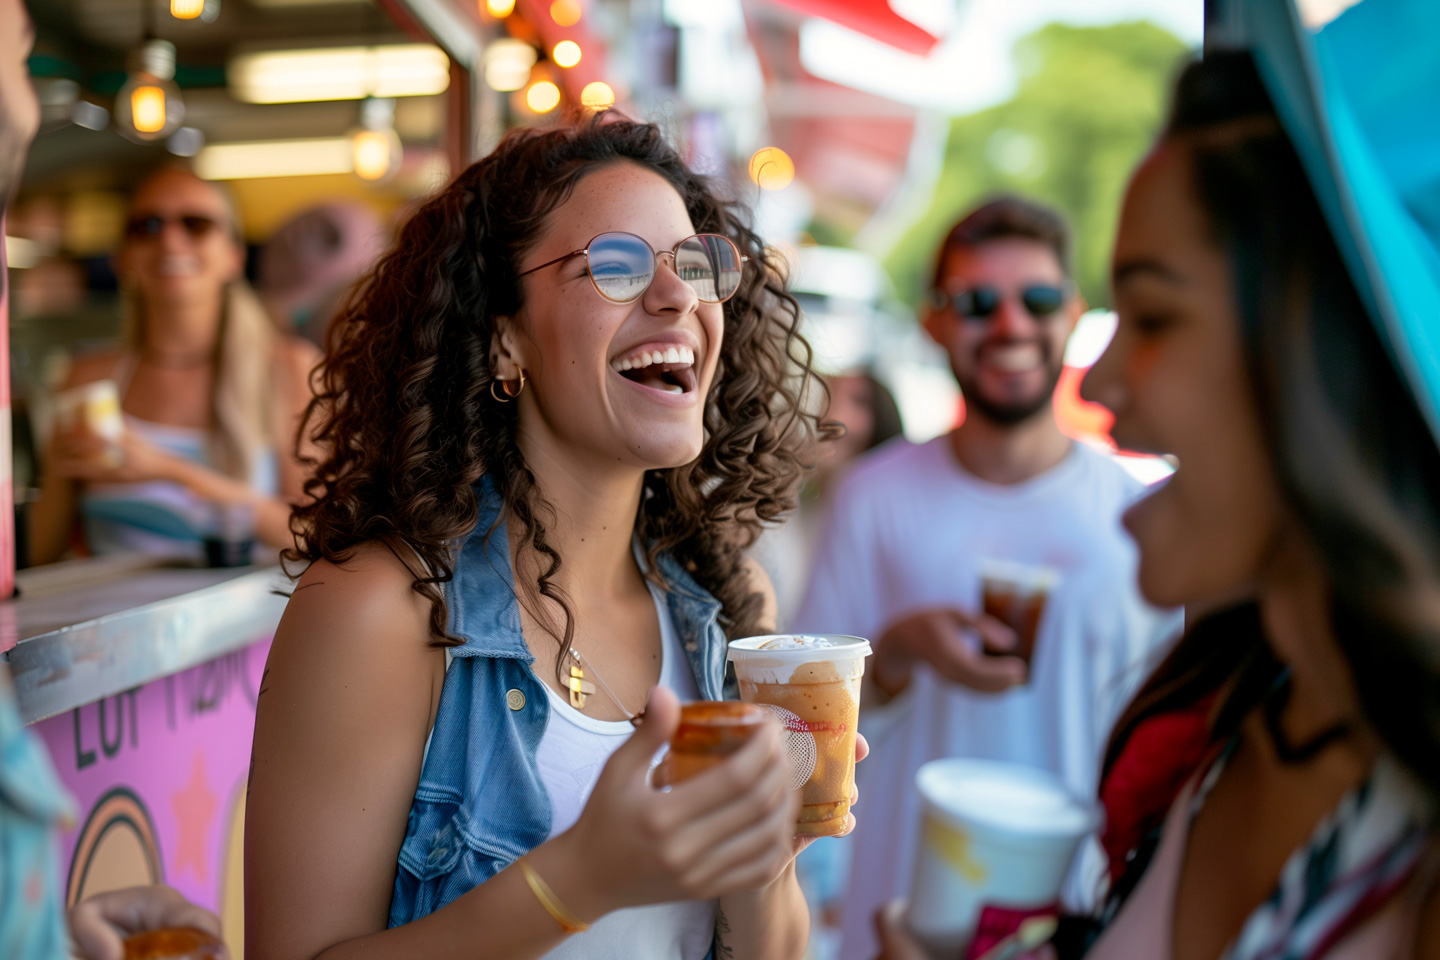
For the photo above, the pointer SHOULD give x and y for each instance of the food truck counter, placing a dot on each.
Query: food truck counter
(142, 681)
(84, 630)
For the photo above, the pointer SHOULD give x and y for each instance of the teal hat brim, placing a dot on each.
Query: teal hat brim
(1360, 99)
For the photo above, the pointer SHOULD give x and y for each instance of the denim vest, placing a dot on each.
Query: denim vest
(480, 803)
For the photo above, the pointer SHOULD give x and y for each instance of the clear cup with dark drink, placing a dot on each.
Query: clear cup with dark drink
(1015, 594)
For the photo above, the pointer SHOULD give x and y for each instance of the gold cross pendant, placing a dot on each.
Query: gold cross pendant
(580, 688)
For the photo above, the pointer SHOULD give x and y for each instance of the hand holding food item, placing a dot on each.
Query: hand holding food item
(174, 943)
(145, 923)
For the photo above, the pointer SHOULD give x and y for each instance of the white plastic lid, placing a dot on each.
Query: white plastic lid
(1005, 797)
(773, 658)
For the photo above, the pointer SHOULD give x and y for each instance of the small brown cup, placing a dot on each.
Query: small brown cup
(173, 943)
(709, 731)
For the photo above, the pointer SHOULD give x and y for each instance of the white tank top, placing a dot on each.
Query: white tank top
(570, 757)
(571, 754)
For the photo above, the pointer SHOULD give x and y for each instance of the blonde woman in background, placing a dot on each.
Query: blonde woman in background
(210, 394)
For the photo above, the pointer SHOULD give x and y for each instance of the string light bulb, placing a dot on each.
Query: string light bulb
(542, 97)
(597, 95)
(148, 106)
(186, 9)
(508, 63)
(566, 53)
(375, 149)
(566, 13)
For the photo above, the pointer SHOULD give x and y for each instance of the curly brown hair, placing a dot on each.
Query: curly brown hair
(404, 411)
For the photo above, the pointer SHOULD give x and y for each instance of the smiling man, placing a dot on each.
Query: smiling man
(915, 527)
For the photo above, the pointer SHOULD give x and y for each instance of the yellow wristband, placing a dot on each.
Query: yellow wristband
(567, 920)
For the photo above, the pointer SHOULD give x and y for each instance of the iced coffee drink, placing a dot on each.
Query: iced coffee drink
(1015, 594)
(812, 685)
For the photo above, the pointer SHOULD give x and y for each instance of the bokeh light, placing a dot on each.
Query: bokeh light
(542, 97)
(566, 13)
(597, 95)
(371, 153)
(499, 9)
(147, 109)
(771, 168)
(566, 53)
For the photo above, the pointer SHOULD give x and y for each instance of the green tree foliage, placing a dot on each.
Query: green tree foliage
(1089, 103)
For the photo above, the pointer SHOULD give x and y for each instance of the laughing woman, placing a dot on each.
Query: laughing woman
(556, 415)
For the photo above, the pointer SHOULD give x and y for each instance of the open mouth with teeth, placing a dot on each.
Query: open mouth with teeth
(666, 369)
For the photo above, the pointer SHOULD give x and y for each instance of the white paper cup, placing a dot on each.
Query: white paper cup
(814, 691)
(96, 407)
(993, 834)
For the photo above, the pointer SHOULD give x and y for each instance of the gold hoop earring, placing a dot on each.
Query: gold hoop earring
(505, 386)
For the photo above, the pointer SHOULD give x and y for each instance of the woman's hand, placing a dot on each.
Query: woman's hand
(727, 829)
(82, 455)
(896, 941)
(100, 924)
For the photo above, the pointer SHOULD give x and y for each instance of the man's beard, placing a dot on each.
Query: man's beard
(1014, 412)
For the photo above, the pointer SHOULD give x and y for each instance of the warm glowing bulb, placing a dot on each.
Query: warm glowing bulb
(771, 168)
(499, 9)
(371, 152)
(597, 95)
(542, 97)
(567, 13)
(186, 9)
(566, 53)
(147, 109)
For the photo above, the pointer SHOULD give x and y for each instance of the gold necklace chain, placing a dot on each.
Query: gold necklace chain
(580, 686)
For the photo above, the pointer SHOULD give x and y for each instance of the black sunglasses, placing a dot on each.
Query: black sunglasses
(194, 224)
(1040, 300)
(622, 265)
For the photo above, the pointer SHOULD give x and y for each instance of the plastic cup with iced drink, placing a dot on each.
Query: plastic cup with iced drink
(996, 837)
(1015, 594)
(95, 407)
(709, 731)
(812, 685)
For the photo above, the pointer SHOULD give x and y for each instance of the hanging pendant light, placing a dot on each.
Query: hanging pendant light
(375, 146)
(148, 107)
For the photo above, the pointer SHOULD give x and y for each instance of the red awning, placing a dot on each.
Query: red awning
(874, 18)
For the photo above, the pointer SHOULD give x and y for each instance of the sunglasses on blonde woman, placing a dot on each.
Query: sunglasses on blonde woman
(622, 265)
(148, 227)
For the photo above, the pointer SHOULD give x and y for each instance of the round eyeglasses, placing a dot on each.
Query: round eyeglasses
(622, 266)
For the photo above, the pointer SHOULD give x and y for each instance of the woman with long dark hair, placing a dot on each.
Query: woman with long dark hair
(555, 415)
(1271, 790)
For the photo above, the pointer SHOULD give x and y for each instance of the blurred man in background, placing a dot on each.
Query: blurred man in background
(912, 527)
(32, 803)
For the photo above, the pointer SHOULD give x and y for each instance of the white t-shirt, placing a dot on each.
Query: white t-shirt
(571, 754)
(908, 530)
